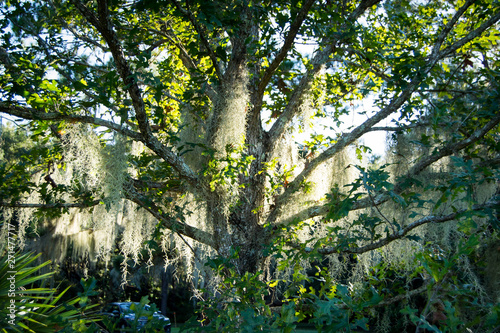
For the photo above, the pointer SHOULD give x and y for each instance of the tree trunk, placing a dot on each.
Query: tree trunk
(240, 232)
(166, 280)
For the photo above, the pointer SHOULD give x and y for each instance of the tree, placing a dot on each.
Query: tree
(214, 91)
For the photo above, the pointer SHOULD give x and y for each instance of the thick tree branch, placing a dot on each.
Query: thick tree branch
(77, 35)
(344, 141)
(287, 45)
(157, 44)
(104, 26)
(61, 58)
(449, 26)
(35, 114)
(186, 59)
(176, 226)
(404, 231)
(449, 149)
(395, 104)
(283, 121)
(401, 297)
(320, 59)
(450, 50)
(170, 223)
(454, 147)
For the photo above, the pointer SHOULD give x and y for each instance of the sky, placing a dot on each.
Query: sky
(375, 140)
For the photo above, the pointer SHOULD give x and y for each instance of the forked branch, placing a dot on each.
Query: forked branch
(404, 231)
(449, 149)
(450, 50)
(105, 28)
(348, 138)
(318, 62)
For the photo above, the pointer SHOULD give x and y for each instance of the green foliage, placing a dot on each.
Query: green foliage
(15, 164)
(226, 170)
(238, 305)
(191, 110)
(25, 307)
(449, 297)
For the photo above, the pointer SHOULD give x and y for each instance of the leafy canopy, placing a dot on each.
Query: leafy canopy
(191, 111)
